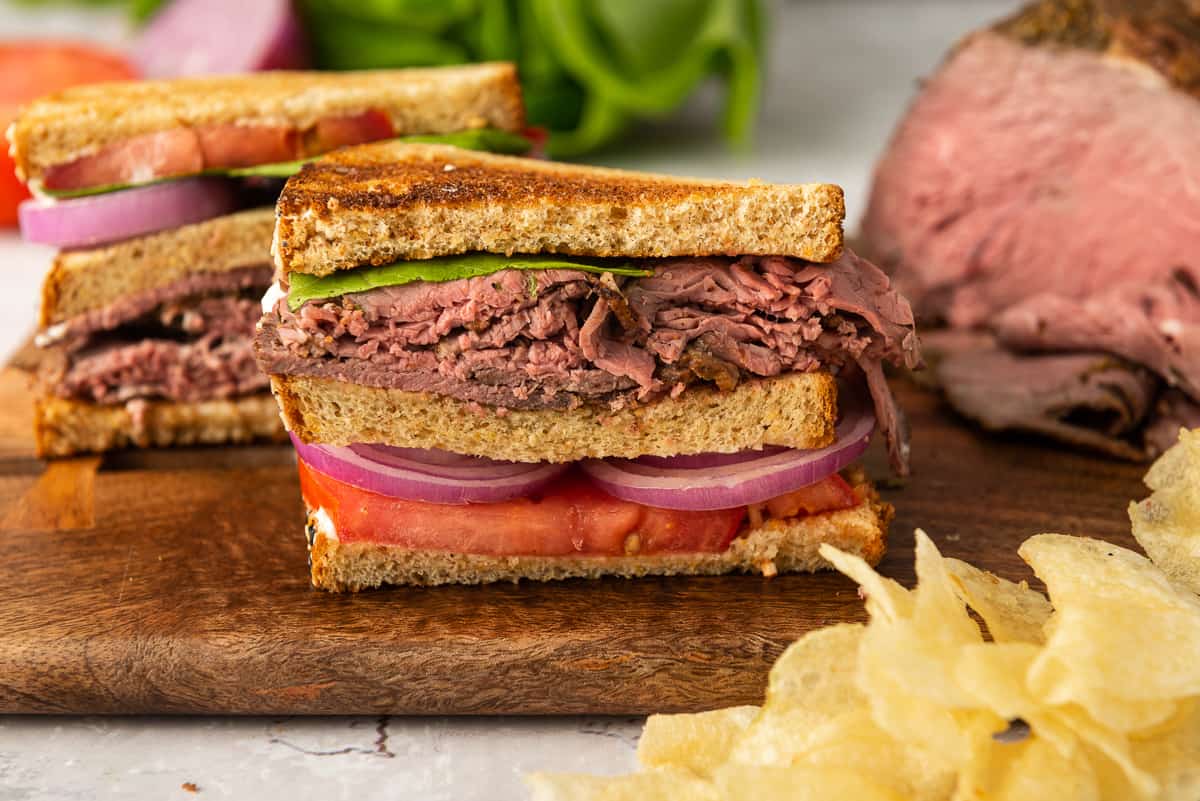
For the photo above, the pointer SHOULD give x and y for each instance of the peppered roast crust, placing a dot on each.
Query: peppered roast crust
(1163, 34)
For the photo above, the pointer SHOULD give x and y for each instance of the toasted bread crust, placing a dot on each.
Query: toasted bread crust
(76, 122)
(380, 203)
(796, 410)
(85, 280)
(777, 546)
(64, 427)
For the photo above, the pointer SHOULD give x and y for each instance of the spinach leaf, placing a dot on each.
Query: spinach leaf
(304, 287)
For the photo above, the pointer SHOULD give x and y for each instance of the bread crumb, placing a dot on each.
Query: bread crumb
(190, 787)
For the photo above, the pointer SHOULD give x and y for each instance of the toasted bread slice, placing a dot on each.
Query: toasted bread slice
(80, 121)
(86, 280)
(797, 410)
(64, 427)
(776, 546)
(380, 203)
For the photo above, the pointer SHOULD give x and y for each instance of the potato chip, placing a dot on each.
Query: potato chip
(1029, 770)
(994, 674)
(817, 671)
(1173, 754)
(816, 714)
(906, 664)
(670, 784)
(697, 742)
(1167, 524)
(1013, 612)
(758, 783)
(1121, 632)
(1094, 699)
(813, 682)
(886, 599)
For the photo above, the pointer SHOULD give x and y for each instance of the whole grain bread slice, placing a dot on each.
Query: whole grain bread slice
(79, 121)
(65, 427)
(86, 280)
(796, 410)
(788, 545)
(388, 201)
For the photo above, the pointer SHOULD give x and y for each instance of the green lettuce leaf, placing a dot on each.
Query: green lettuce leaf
(490, 139)
(304, 287)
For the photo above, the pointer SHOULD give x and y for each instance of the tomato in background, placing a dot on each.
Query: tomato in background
(30, 69)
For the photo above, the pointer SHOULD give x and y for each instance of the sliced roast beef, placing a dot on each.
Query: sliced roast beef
(207, 368)
(1055, 153)
(562, 338)
(1173, 411)
(1153, 324)
(1087, 399)
(1046, 371)
(190, 340)
(129, 308)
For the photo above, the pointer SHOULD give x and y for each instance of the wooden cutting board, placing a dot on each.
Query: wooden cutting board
(176, 582)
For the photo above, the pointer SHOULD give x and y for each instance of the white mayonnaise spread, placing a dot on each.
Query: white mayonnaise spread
(50, 335)
(324, 524)
(274, 294)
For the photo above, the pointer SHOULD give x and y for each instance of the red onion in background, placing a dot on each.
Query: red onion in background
(212, 37)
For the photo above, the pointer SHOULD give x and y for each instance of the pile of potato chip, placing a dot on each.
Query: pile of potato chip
(1167, 524)
(1092, 694)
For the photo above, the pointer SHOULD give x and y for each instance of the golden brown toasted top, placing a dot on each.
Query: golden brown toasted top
(378, 203)
(81, 120)
(1163, 34)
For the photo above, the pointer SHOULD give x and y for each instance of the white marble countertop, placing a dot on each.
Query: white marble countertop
(841, 72)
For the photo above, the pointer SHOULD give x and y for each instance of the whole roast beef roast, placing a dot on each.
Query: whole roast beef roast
(1044, 186)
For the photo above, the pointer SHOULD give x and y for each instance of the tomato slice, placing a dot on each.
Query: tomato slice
(32, 69)
(573, 518)
(330, 133)
(827, 495)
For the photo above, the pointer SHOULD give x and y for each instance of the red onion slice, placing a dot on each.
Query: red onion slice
(209, 37)
(440, 463)
(97, 219)
(756, 479)
(485, 484)
(708, 459)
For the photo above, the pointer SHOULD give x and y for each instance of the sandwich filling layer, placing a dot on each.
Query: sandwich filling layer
(571, 517)
(560, 338)
(188, 341)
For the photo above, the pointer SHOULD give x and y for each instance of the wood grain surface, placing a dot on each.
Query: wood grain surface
(175, 581)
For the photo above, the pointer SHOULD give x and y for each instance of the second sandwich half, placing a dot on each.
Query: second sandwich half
(495, 368)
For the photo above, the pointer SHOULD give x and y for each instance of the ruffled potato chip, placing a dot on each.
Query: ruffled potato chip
(665, 784)
(1012, 611)
(696, 742)
(906, 659)
(757, 783)
(1027, 770)
(1124, 641)
(1172, 754)
(1167, 524)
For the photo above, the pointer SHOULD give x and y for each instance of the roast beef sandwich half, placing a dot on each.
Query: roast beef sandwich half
(1041, 190)
(496, 368)
(161, 196)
